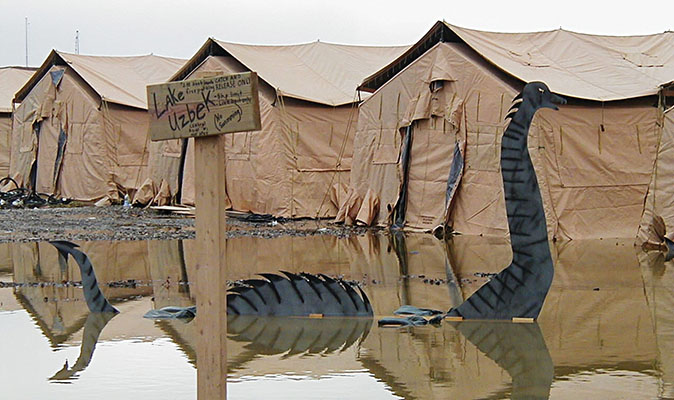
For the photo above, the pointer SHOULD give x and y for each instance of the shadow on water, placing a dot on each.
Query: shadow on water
(609, 308)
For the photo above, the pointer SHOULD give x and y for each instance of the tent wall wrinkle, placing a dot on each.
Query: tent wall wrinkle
(450, 114)
(302, 154)
(5, 137)
(295, 164)
(593, 159)
(11, 79)
(91, 148)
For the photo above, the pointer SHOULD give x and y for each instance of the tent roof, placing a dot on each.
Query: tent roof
(578, 65)
(120, 80)
(319, 72)
(11, 80)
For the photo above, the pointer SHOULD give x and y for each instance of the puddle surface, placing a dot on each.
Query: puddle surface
(606, 329)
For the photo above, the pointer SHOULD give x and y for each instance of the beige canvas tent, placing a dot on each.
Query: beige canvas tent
(299, 162)
(80, 130)
(450, 92)
(11, 80)
(658, 218)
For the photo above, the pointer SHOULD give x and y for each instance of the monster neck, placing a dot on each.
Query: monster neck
(524, 205)
(520, 289)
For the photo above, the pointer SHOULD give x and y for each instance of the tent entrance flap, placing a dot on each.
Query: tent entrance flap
(398, 216)
(453, 180)
(181, 169)
(32, 175)
(58, 163)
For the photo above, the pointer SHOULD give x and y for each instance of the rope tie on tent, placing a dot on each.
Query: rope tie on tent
(660, 123)
(500, 110)
(396, 133)
(332, 132)
(286, 123)
(342, 149)
(561, 140)
(142, 157)
(477, 142)
(477, 116)
(381, 125)
(398, 112)
(500, 118)
(638, 138)
(107, 120)
(477, 130)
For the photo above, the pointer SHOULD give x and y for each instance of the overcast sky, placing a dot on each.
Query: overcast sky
(178, 28)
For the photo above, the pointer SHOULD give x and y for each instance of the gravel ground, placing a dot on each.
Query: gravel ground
(119, 223)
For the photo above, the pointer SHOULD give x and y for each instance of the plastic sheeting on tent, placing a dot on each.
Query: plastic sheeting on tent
(81, 129)
(11, 80)
(298, 164)
(452, 90)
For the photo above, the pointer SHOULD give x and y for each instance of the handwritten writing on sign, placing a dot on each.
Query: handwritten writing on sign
(204, 107)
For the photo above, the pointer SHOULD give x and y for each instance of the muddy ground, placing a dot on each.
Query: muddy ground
(119, 223)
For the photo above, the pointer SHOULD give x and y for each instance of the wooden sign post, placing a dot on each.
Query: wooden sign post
(205, 109)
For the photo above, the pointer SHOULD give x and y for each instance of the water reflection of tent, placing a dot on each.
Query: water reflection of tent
(61, 310)
(11, 80)
(452, 90)
(658, 284)
(584, 330)
(5, 257)
(302, 152)
(82, 124)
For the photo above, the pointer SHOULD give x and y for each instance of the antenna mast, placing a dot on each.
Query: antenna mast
(77, 42)
(26, 41)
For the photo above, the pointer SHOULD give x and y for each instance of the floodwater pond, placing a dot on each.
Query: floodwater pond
(606, 329)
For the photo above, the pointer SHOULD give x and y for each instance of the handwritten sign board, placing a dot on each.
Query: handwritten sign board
(204, 107)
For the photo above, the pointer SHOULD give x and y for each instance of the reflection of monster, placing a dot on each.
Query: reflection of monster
(519, 349)
(272, 335)
(95, 323)
(520, 289)
(101, 311)
(95, 299)
(297, 295)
